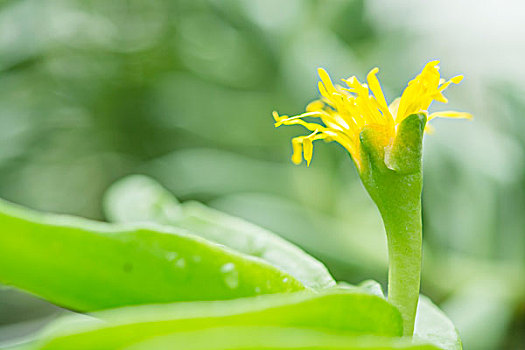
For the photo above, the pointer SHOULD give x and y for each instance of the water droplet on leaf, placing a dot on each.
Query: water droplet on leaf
(172, 256)
(230, 275)
(181, 263)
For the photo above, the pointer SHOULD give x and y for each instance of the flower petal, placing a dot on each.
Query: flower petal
(450, 114)
(375, 87)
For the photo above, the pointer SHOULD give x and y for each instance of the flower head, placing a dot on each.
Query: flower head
(343, 112)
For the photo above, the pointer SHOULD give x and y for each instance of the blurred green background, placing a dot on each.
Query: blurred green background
(182, 91)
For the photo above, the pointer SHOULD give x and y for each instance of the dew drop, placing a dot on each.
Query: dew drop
(181, 263)
(257, 290)
(197, 258)
(230, 275)
(285, 279)
(172, 256)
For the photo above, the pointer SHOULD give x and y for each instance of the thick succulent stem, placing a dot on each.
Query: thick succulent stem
(404, 236)
(392, 175)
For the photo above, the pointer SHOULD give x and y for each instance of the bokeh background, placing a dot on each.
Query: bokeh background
(182, 91)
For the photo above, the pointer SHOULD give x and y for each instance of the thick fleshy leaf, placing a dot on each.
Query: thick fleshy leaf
(433, 326)
(273, 338)
(340, 311)
(86, 265)
(141, 199)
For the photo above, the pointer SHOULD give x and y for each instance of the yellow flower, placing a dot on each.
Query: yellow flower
(345, 111)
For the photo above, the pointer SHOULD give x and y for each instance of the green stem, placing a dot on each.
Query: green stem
(398, 198)
(404, 234)
(392, 175)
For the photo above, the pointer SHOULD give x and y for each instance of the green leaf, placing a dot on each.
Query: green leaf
(272, 338)
(86, 265)
(372, 287)
(349, 312)
(406, 153)
(433, 326)
(139, 198)
(353, 245)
